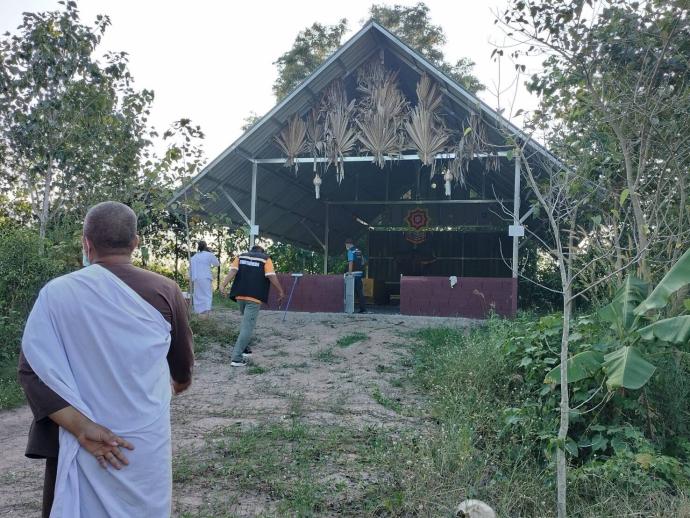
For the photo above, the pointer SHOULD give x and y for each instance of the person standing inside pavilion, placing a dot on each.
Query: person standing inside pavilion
(355, 267)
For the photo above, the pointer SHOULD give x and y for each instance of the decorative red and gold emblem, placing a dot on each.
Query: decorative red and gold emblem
(417, 218)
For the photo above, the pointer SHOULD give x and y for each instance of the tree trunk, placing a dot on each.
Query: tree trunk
(45, 207)
(561, 466)
(177, 258)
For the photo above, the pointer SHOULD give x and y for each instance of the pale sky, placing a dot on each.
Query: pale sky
(212, 61)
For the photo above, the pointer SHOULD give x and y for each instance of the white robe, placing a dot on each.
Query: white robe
(202, 279)
(102, 348)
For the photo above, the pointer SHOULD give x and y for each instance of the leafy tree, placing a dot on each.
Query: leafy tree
(615, 86)
(613, 90)
(72, 128)
(250, 120)
(411, 24)
(311, 48)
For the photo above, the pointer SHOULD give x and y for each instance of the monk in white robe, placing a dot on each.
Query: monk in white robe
(102, 348)
(201, 278)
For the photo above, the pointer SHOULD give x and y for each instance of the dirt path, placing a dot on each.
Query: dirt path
(298, 366)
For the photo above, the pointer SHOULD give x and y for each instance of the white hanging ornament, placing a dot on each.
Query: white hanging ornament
(317, 186)
(448, 177)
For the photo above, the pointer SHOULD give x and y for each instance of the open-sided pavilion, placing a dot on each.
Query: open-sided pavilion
(420, 220)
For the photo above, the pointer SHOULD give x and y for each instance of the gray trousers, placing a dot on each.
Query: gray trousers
(249, 311)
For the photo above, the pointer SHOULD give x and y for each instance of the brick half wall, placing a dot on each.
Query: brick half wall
(313, 293)
(472, 297)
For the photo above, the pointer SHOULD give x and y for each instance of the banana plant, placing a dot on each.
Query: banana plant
(635, 318)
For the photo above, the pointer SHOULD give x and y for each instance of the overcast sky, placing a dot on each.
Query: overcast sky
(212, 61)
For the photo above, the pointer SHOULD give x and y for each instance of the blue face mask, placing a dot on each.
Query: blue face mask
(85, 259)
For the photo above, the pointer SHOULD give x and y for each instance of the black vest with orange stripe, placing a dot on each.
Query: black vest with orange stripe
(251, 280)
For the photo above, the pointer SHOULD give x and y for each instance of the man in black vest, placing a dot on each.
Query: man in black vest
(355, 266)
(253, 273)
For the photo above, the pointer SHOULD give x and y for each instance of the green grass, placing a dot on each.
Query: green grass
(211, 330)
(221, 301)
(424, 468)
(256, 369)
(386, 402)
(348, 340)
(11, 393)
(326, 355)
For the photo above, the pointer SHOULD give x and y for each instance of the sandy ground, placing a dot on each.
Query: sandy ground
(301, 364)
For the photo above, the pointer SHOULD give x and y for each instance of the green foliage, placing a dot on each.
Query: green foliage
(24, 272)
(412, 24)
(627, 449)
(348, 340)
(290, 258)
(311, 48)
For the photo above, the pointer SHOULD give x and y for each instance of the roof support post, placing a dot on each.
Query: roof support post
(516, 215)
(253, 230)
(234, 204)
(325, 244)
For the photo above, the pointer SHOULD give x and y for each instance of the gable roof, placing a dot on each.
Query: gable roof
(285, 201)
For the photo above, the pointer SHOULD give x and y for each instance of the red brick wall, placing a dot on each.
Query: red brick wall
(313, 293)
(471, 297)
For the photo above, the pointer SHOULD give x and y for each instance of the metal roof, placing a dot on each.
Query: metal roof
(285, 200)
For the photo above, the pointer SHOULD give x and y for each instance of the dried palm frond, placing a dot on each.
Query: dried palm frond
(340, 135)
(291, 140)
(381, 113)
(315, 135)
(428, 96)
(425, 127)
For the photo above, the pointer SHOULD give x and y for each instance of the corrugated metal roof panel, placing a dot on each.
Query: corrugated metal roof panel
(285, 199)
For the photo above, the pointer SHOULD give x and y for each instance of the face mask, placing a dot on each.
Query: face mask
(85, 258)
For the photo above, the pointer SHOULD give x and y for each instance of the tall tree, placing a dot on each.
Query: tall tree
(311, 48)
(616, 85)
(72, 128)
(411, 24)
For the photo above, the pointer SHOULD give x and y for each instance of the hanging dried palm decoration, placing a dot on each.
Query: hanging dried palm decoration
(381, 113)
(425, 127)
(291, 140)
(315, 135)
(340, 136)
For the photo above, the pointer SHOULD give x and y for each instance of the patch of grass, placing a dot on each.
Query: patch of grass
(386, 402)
(296, 405)
(298, 366)
(11, 393)
(221, 301)
(210, 330)
(348, 340)
(384, 368)
(256, 369)
(326, 355)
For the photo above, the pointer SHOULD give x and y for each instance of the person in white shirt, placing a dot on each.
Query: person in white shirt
(202, 279)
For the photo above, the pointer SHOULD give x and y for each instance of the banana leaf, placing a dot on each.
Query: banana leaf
(625, 367)
(677, 277)
(581, 366)
(620, 313)
(674, 330)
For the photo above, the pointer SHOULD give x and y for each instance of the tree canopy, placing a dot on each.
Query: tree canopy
(412, 24)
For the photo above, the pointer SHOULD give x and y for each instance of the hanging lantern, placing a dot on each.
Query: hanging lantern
(317, 186)
(448, 177)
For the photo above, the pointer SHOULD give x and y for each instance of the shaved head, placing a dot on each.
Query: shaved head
(111, 227)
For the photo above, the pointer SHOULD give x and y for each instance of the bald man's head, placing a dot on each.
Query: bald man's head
(111, 227)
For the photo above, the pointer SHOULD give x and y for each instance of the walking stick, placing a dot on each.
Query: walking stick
(295, 276)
